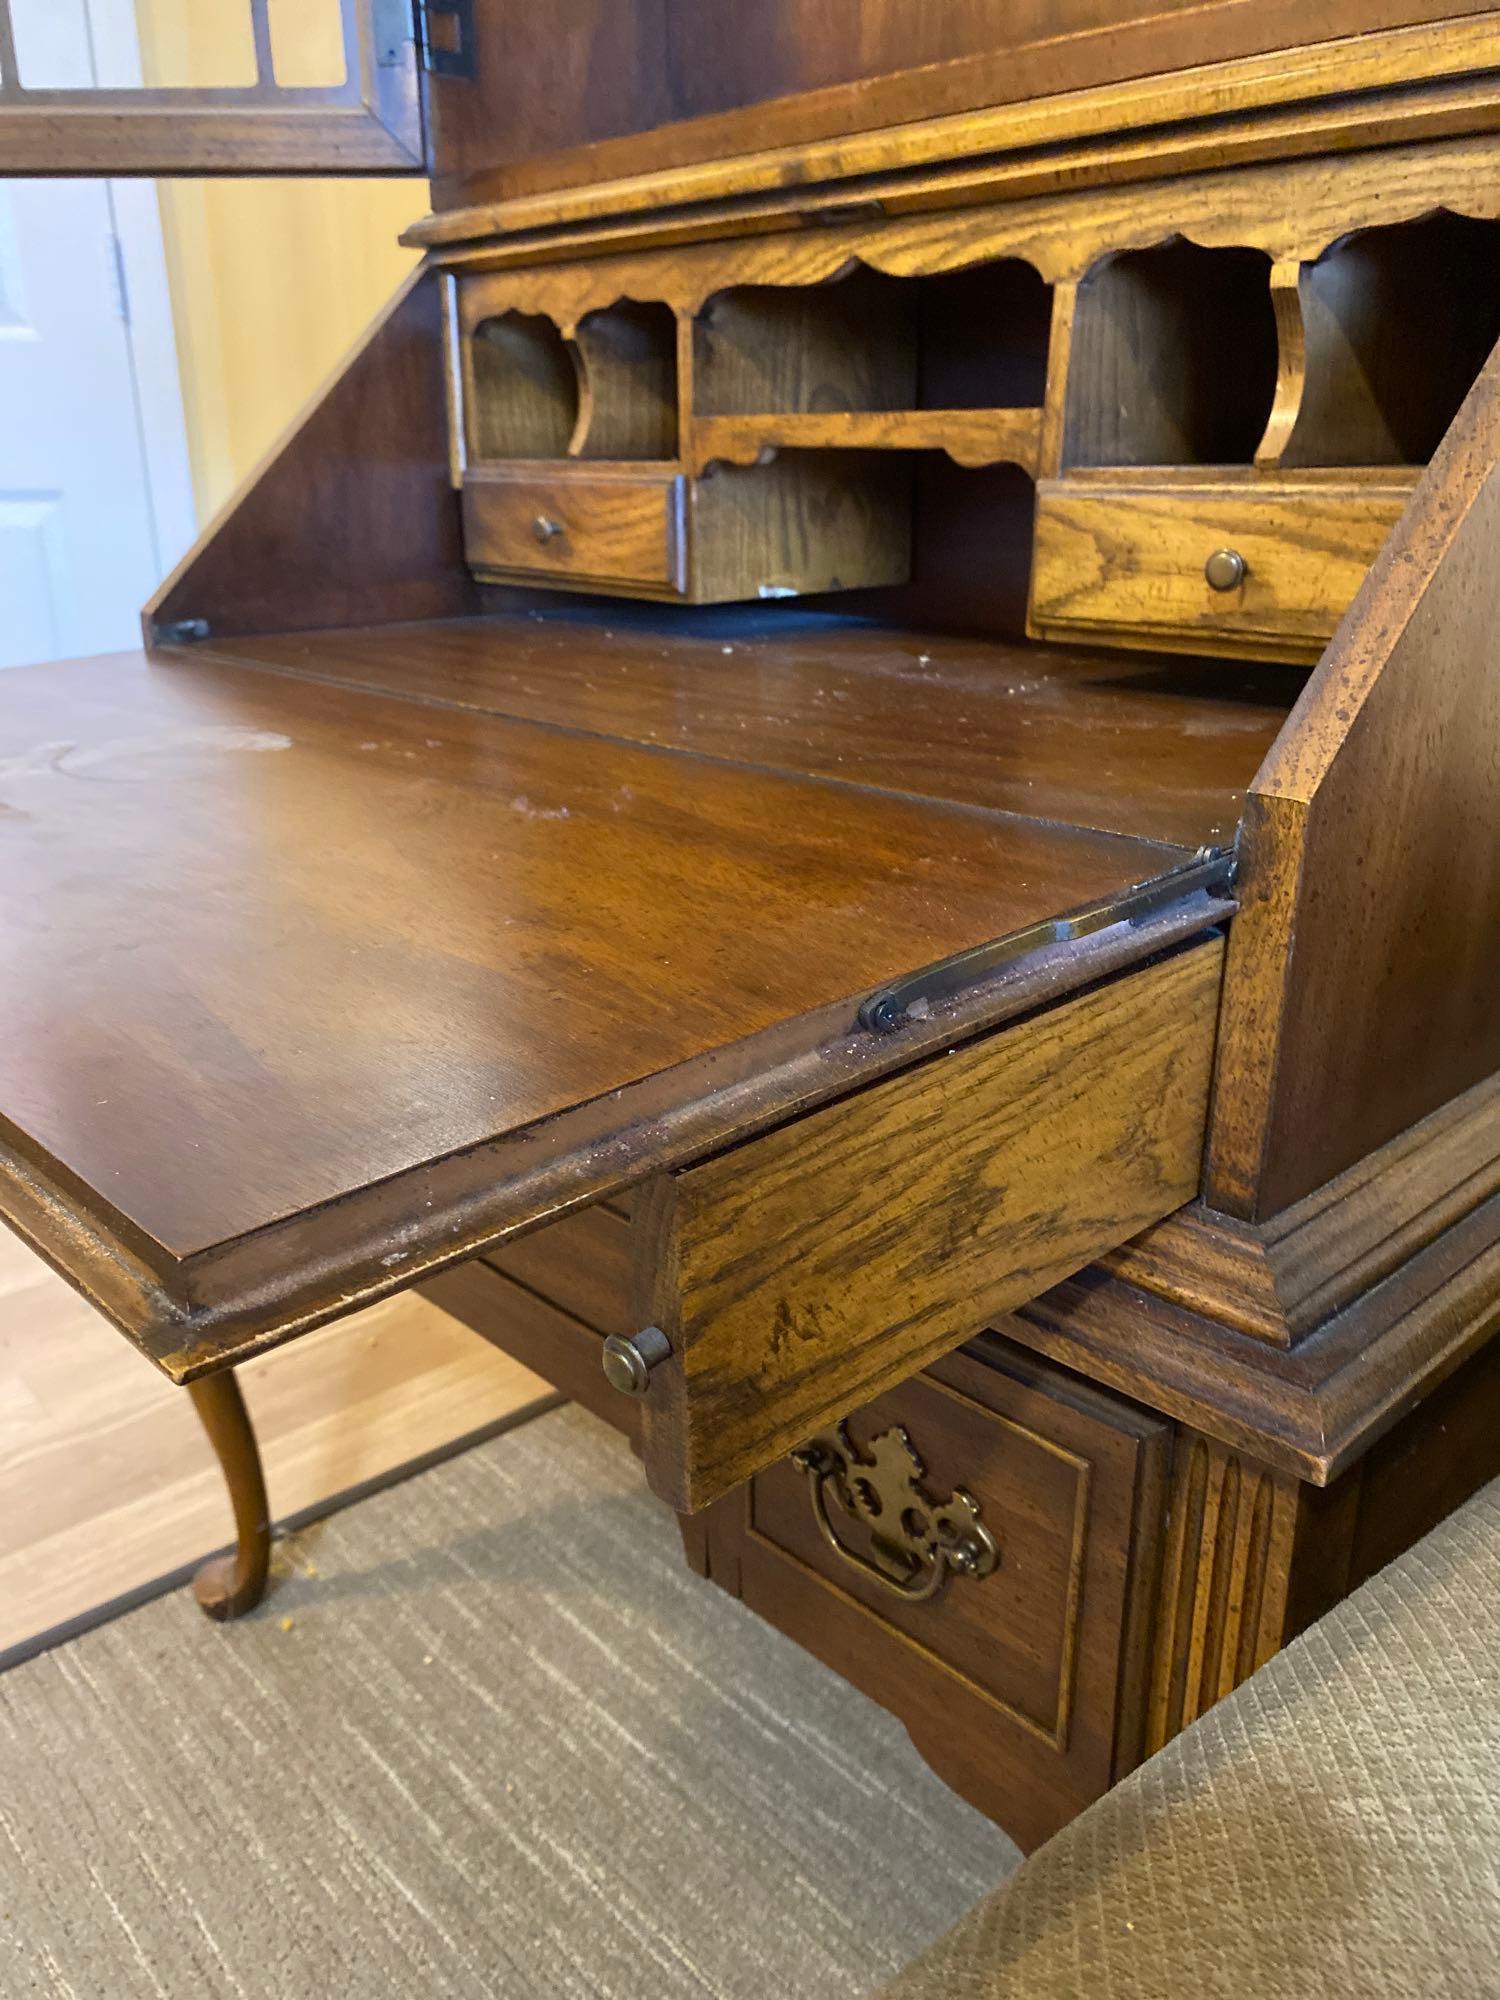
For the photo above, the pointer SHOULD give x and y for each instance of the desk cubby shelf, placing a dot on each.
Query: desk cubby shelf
(1200, 442)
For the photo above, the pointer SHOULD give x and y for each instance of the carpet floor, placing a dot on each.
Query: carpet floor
(488, 1738)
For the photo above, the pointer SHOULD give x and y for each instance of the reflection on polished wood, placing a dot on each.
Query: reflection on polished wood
(1004, 725)
(345, 938)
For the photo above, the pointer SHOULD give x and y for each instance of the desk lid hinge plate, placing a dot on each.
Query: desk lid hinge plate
(1210, 872)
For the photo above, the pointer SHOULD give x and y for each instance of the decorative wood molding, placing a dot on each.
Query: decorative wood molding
(970, 437)
(1308, 1411)
(1223, 1593)
(1280, 1279)
(1291, 362)
(1291, 209)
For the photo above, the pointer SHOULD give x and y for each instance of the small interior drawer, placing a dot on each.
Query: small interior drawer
(1133, 563)
(1015, 1681)
(589, 524)
(802, 1273)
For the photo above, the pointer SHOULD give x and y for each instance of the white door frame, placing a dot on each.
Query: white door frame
(152, 339)
(146, 303)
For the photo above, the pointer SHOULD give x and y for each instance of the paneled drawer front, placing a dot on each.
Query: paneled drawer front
(804, 1272)
(593, 524)
(1014, 1683)
(1133, 563)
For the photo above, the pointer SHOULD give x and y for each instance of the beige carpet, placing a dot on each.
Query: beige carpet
(509, 1747)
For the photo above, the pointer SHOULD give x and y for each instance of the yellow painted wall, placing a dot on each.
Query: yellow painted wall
(272, 281)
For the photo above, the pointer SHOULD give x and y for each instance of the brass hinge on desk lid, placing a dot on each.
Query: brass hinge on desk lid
(1210, 872)
(445, 35)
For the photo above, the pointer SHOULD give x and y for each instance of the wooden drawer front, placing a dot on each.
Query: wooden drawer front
(592, 525)
(1013, 1684)
(805, 1272)
(1128, 562)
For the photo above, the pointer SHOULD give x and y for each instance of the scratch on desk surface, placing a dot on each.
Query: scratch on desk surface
(71, 759)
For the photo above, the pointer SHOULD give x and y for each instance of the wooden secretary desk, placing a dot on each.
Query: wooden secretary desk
(854, 766)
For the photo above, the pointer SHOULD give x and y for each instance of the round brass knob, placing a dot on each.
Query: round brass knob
(546, 529)
(630, 1358)
(1225, 569)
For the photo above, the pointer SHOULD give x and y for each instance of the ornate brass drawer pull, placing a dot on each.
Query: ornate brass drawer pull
(917, 1542)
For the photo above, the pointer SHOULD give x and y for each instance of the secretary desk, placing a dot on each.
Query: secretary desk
(846, 788)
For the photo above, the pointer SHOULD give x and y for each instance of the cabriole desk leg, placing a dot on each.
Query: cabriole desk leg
(229, 1586)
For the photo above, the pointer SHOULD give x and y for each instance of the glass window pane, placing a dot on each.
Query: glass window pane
(307, 43)
(203, 43)
(52, 44)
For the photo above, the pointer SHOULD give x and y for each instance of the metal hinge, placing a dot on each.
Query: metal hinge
(445, 36)
(180, 632)
(1209, 873)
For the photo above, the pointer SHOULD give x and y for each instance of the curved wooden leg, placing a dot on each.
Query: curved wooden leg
(229, 1586)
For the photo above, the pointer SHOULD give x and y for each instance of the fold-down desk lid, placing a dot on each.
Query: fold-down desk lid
(306, 990)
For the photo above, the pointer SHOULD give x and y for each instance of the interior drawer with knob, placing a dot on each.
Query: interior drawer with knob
(585, 524)
(1245, 567)
(975, 1550)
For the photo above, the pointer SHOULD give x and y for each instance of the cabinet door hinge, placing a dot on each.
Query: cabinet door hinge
(445, 35)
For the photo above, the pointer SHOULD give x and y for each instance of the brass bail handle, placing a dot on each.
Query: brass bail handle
(917, 1543)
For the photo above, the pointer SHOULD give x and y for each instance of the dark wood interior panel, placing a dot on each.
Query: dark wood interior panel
(521, 389)
(583, 91)
(847, 345)
(1430, 1464)
(351, 517)
(1398, 322)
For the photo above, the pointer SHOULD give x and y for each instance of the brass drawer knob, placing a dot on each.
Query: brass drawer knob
(546, 529)
(916, 1542)
(1225, 569)
(630, 1358)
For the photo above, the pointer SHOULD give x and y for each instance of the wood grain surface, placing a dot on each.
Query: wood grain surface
(1162, 749)
(609, 108)
(970, 437)
(351, 515)
(1360, 993)
(1125, 563)
(365, 979)
(1022, 1689)
(800, 1275)
(576, 523)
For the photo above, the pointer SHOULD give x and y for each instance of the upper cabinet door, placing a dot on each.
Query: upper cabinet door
(163, 87)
